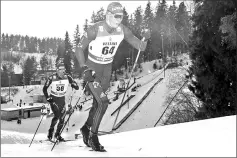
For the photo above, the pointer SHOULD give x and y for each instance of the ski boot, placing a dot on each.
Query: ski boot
(50, 134)
(85, 133)
(94, 143)
(59, 138)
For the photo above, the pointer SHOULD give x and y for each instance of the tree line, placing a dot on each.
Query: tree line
(27, 44)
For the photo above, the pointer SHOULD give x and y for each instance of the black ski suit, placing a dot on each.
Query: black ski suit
(102, 42)
(58, 90)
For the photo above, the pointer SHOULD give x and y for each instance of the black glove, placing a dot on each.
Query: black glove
(88, 74)
(71, 110)
(49, 99)
(75, 85)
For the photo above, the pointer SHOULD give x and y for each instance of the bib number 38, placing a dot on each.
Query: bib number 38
(60, 88)
(106, 50)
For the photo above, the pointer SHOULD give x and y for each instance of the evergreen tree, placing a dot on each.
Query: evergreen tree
(138, 22)
(60, 51)
(17, 38)
(54, 45)
(172, 23)
(228, 28)
(131, 22)
(137, 28)
(76, 42)
(93, 17)
(125, 20)
(22, 44)
(42, 46)
(39, 44)
(27, 44)
(100, 15)
(86, 25)
(44, 62)
(3, 42)
(213, 71)
(36, 46)
(183, 26)
(32, 48)
(68, 54)
(7, 39)
(13, 42)
(148, 16)
(76, 37)
(148, 22)
(159, 27)
(29, 69)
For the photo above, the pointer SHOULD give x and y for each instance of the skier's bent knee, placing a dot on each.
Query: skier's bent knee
(105, 101)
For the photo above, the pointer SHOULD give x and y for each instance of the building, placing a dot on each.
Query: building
(23, 112)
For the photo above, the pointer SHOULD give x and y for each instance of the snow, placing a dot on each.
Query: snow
(209, 138)
(137, 136)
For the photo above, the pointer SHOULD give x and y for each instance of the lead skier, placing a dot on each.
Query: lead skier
(102, 40)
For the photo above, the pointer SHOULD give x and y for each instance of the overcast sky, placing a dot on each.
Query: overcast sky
(54, 18)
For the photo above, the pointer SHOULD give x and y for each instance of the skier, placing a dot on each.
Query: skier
(59, 82)
(102, 40)
(121, 85)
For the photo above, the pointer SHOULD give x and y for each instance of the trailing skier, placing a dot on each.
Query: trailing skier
(59, 83)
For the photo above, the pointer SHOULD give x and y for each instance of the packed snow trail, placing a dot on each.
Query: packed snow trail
(205, 138)
(148, 112)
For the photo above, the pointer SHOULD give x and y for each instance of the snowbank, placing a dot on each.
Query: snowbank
(209, 138)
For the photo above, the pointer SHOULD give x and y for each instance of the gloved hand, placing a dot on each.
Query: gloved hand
(75, 85)
(87, 89)
(146, 33)
(49, 99)
(143, 45)
(71, 110)
(88, 74)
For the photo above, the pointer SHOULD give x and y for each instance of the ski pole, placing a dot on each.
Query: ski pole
(138, 54)
(69, 116)
(36, 130)
(71, 101)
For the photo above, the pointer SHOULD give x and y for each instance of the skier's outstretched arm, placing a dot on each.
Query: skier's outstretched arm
(87, 37)
(45, 89)
(46, 86)
(72, 82)
(133, 40)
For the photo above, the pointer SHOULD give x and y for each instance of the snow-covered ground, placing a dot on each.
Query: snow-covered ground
(206, 138)
(143, 140)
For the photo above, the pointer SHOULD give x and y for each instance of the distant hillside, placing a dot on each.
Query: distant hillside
(6, 56)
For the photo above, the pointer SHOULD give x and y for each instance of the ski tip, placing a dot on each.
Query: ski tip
(99, 150)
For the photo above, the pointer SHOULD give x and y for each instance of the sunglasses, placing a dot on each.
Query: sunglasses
(117, 16)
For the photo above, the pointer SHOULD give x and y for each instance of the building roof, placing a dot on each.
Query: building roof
(25, 108)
